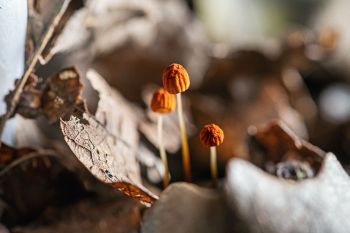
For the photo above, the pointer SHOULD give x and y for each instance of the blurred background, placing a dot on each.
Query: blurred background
(250, 62)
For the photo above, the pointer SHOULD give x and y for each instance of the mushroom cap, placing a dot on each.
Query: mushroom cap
(162, 101)
(211, 135)
(175, 79)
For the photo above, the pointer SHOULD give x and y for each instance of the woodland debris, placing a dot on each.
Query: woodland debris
(279, 151)
(320, 204)
(107, 142)
(53, 97)
(184, 207)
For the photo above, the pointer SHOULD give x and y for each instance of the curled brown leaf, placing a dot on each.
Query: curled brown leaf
(107, 143)
(278, 150)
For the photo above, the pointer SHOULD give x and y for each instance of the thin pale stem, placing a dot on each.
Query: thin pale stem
(186, 162)
(213, 165)
(162, 152)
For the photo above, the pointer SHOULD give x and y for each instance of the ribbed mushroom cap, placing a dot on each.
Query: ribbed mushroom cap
(211, 135)
(175, 79)
(162, 101)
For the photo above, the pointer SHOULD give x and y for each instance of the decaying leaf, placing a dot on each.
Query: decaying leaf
(265, 204)
(35, 48)
(89, 215)
(62, 93)
(278, 150)
(107, 143)
(261, 202)
(30, 181)
(9, 154)
(53, 97)
(186, 207)
(151, 165)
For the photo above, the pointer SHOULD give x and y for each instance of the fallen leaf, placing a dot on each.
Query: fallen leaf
(40, 41)
(9, 154)
(54, 96)
(89, 215)
(150, 164)
(107, 142)
(184, 207)
(262, 203)
(276, 145)
(30, 181)
(61, 94)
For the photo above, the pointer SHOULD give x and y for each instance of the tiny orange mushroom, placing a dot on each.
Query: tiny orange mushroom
(212, 136)
(176, 80)
(163, 102)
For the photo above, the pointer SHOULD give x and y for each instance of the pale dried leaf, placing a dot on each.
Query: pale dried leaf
(107, 143)
(265, 204)
(153, 164)
(186, 207)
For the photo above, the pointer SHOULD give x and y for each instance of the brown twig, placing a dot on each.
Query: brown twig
(19, 87)
(36, 154)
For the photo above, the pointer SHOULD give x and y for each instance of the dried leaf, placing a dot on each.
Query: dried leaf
(9, 154)
(265, 204)
(150, 164)
(276, 145)
(62, 93)
(38, 43)
(31, 181)
(54, 97)
(107, 143)
(186, 207)
(89, 215)
(259, 201)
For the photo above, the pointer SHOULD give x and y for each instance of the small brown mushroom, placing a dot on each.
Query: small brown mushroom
(163, 102)
(212, 136)
(176, 80)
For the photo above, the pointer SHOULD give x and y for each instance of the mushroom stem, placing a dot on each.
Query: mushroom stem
(162, 152)
(186, 163)
(213, 165)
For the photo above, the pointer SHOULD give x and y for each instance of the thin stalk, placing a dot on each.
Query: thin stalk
(162, 152)
(186, 162)
(213, 165)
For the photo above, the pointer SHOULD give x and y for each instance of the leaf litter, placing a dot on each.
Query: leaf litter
(107, 143)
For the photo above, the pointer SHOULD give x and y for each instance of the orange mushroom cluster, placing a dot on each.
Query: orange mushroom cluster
(175, 81)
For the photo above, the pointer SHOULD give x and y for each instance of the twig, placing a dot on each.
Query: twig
(19, 87)
(40, 153)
